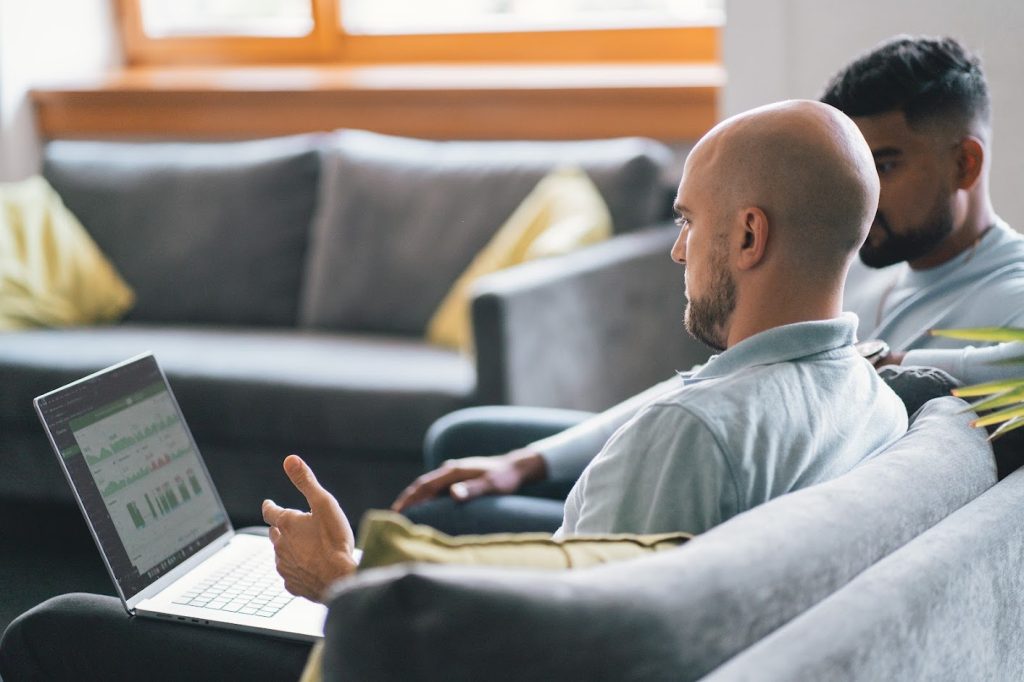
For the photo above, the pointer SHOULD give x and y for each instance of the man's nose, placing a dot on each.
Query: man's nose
(679, 248)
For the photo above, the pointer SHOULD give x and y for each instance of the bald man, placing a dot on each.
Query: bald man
(772, 206)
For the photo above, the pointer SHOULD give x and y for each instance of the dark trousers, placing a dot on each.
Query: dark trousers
(91, 637)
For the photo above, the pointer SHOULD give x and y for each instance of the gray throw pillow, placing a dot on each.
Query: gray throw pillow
(399, 219)
(203, 232)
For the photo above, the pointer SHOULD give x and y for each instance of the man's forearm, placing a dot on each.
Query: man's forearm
(971, 365)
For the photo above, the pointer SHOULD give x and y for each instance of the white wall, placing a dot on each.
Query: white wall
(780, 49)
(45, 41)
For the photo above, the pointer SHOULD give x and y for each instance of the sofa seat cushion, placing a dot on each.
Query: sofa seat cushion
(203, 232)
(400, 219)
(299, 389)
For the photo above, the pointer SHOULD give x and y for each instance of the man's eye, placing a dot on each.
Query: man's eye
(884, 167)
(681, 222)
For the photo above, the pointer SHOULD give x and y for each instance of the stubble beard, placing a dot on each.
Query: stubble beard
(913, 244)
(706, 318)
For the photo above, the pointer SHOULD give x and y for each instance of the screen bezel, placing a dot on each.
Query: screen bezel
(215, 539)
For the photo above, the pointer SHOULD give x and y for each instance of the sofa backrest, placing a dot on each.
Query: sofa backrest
(676, 615)
(400, 219)
(947, 606)
(204, 232)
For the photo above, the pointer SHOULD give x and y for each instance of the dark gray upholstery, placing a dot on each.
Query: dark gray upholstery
(159, 211)
(420, 211)
(607, 313)
(675, 615)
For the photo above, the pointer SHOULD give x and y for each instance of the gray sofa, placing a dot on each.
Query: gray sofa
(906, 568)
(285, 286)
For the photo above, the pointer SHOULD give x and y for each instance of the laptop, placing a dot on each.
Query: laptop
(154, 512)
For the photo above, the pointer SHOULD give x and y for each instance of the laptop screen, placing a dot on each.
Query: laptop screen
(136, 471)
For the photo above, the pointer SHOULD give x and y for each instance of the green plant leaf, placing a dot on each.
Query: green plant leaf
(1010, 397)
(991, 334)
(988, 388)
(1015, 423)
(1000, 416)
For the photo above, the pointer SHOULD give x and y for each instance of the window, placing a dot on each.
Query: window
(211, 32)
(276, 18)
(442, 69)
(440, 16)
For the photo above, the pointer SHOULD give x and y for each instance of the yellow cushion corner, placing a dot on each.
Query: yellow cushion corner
(51, 271)
(564, 212)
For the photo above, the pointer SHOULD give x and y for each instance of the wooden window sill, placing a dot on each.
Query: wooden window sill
(668, 101)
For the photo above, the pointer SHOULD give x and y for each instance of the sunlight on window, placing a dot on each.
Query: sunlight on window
(276, 18)
(417, 16)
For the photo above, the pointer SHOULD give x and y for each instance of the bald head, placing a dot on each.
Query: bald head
(806, 166)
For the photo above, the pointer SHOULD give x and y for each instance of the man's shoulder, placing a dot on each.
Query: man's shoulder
(712, 400)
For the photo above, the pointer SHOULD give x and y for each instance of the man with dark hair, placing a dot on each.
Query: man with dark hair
(936, 256)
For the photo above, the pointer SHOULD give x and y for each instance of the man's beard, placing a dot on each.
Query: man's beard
(897, 248)
(705, 318)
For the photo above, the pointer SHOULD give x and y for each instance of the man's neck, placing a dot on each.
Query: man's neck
(762, 317)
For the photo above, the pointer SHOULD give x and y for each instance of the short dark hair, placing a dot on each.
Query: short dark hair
(926, 78)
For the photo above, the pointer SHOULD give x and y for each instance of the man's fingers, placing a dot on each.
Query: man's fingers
(474, 487)
(302, 478)
(271, 512)
(275, 534)
(428, 486)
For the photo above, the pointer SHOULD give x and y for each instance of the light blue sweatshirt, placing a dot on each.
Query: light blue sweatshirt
(767, 416)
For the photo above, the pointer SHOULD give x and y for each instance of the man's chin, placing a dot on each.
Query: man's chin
(880, 258)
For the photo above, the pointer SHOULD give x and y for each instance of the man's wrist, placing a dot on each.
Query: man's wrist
(529, 464)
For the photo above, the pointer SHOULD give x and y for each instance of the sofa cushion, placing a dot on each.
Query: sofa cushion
(388, 538)
(239, 386)
(51, 273)
(563, 213)
(676, 615)
(203, 232)
(399, 219)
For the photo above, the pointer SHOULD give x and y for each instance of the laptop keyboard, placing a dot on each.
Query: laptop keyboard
(250, 587)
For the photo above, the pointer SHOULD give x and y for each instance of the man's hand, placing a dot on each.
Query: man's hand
(313, 548)
(894, 358)
(472, 477)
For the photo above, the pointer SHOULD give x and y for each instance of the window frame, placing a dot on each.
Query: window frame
(328, 43)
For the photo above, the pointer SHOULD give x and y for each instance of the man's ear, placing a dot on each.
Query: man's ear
(754, 238)
(970, 158)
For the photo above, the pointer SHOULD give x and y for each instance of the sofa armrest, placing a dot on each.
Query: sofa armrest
(586, 330)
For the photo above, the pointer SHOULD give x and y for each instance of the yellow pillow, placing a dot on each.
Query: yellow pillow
(51, 271)
(564, 212)
(388, 538)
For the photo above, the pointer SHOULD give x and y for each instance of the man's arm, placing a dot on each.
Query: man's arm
(971, 365)
(563, 456)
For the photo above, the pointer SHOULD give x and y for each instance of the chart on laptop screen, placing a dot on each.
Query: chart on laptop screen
(148, 474)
